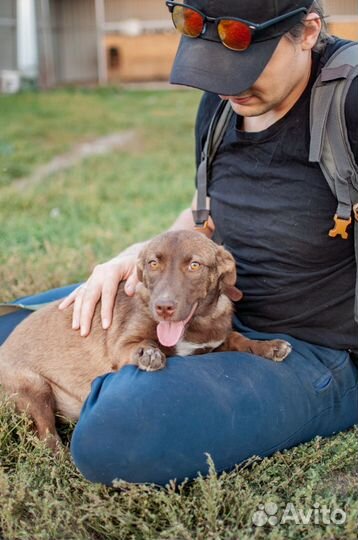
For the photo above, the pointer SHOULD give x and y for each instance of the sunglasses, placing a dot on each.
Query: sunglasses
(236, 34)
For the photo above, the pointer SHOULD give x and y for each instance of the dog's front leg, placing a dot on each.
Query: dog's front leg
(275, 349)
(144, 354)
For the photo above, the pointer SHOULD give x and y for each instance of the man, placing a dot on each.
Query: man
(272, 209)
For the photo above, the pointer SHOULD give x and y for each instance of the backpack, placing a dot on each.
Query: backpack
(329, 146)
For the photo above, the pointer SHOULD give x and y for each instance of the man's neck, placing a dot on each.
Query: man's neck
(255, 124)
(265, 120)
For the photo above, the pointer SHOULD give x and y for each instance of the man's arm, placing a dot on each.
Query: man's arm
(186, 221)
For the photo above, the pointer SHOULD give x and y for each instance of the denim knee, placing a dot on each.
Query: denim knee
(153, 427)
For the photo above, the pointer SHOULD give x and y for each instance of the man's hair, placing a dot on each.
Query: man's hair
(297, 31)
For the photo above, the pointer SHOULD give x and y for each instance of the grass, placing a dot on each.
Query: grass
(103, 204)
(52, 234)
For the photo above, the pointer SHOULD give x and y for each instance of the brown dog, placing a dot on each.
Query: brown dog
(183, 307)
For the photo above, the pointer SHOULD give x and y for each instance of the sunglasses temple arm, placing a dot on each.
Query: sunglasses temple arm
(280, 18)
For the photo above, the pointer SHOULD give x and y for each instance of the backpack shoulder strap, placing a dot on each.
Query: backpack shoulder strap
(330, 145)
(217, 128)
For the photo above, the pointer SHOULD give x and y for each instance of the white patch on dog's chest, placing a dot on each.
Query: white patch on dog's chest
(186, 348)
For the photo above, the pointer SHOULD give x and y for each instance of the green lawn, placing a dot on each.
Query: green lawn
(103, 204)
(52, 234)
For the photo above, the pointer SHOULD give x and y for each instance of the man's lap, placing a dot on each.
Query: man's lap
(151, 427)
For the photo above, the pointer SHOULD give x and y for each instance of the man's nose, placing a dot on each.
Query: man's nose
(165, 308)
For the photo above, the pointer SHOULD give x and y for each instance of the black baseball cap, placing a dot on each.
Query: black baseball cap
(205, 63)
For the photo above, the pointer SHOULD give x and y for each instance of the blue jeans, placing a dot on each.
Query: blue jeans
(152, 427)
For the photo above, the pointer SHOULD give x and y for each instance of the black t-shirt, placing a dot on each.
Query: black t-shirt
(273, 209)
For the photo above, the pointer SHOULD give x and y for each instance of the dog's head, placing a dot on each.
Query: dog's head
(184, 273)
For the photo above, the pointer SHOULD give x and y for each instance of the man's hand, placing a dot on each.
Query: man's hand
(103, 285)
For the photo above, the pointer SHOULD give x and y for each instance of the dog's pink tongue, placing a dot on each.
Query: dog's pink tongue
(169, 332)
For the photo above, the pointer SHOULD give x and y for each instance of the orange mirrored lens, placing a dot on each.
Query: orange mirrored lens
(187, 21)
(234, 34)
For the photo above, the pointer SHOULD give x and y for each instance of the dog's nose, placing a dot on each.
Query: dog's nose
(165, 308)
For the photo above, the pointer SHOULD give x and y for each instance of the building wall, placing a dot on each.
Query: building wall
(67, 41)
(117, 10)
(74, 39)
(8, 48)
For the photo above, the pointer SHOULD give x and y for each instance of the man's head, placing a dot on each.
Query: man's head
(255, 29)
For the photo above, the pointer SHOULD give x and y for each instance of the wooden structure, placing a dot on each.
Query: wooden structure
(145, 57)
(139, 40)
(342, 18)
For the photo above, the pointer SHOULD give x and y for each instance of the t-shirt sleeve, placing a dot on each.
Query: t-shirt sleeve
(207, 107)
(351, 112)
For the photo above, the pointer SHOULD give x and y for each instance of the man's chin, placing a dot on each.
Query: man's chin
(247, 109)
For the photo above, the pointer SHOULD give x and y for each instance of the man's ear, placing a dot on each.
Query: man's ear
(227, 274)
(313, 25)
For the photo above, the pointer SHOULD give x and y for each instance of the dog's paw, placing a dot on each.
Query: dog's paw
(150, 358)
(279, 350)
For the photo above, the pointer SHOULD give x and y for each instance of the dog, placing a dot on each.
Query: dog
(183, 306)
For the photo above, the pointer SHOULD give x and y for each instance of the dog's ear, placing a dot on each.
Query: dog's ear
(226, 266)
(227, 274)
(233, 293)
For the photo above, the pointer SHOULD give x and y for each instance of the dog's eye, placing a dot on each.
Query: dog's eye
(153, 264)
(194, 266)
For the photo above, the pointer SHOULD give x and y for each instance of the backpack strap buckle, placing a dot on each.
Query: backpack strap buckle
(340, 228)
